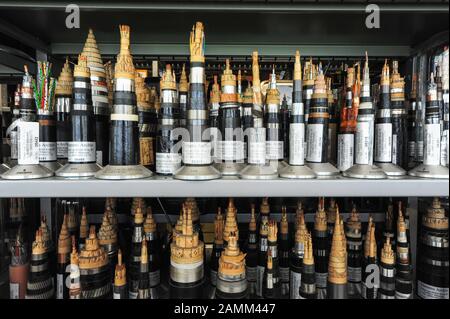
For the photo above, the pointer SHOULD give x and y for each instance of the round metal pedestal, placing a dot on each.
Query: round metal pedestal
(430, 171)
(63, 161)
(391, 170)
(3, 168)
(53, 166)
(78, 170)
(297, 172)
(365, 172)
(253, 171)
(123, 172)
(197, 173)
(278, 165)
(229, 168)
(323, 169)
(27, 172)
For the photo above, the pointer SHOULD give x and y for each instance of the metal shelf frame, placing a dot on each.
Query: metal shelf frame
(225, 187)
(230, 6)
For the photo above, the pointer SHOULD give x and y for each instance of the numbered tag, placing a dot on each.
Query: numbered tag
(28, 143)
(197, 153)
(297, 144)
(315, 143)
(167, 163)
(432, 151)
(383, 142)
(345, 151)
(363, 145)
(81, 152)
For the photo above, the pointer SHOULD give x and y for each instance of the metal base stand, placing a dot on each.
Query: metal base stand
(229, 168)
(323, 169)
(284, 163)
(78, 170)
(365, 171)
(27, 172)
(391, 170)
(123, 172)
(430, 171)
(3, 168)
(197, 173)
(297, 172)
(53, 166)
(254, 171)
(63, 161)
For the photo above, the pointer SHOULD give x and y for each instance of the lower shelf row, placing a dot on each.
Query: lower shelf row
(277, 256)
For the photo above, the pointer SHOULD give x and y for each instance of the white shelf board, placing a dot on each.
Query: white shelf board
(225, 187)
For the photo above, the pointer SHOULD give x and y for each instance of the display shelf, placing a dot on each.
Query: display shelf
(230, 186)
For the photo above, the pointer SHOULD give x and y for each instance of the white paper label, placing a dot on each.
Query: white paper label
(28, 143)
(315, 139)
(412, 149)
(197, 153)
(444, 148)
(257, 153)
(62, 149)
(116, 295)
(14, 290)
(257, 146)
(363, 143)
(383, 142)
(305, 148)
(183, 98)
(332, 141)
(167, 163)
(296, 144)
(47, 151)
(274, 150)
(354, 274)
(419, 150)
(432, 139)
(448, 148)
(13, 139)
(231, 150)
(345, 151)
(215, 143)
(99, 157)
(427, 291)
(81, 152)
(59, 286)
(295, 282)
(394, 149)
